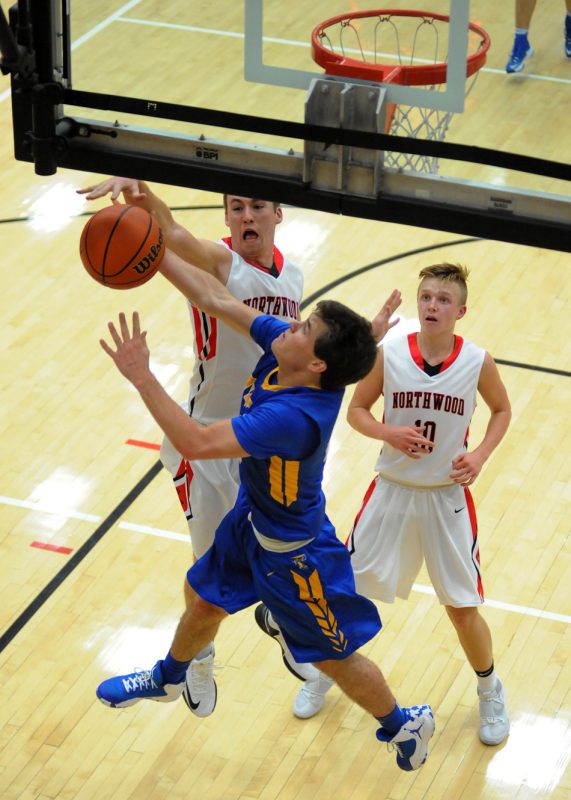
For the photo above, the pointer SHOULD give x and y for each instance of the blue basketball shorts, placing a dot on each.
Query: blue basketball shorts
(310, 591)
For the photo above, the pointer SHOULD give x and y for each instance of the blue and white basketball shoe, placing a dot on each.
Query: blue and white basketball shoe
(411, 741)
(521, 51)
(125, 690)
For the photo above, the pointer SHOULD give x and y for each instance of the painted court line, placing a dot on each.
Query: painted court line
(180, 537)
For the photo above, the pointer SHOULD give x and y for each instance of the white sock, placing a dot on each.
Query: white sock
(487, 683)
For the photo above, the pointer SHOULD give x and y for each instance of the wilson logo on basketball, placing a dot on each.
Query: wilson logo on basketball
(147, 261)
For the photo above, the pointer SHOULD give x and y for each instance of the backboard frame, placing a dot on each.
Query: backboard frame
(47, 137)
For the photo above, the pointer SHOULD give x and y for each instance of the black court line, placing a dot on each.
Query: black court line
(138, 489)
(78, 556)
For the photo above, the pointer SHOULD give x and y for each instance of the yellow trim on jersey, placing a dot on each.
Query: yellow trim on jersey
(271, 386)
(311, 593)
(275, 386)
(284, 480)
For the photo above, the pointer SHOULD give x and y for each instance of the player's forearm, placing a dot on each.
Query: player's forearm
(495, 432)
(206, 292)
(158, 207)
(184, 432)
(364, 422)
(203, 255)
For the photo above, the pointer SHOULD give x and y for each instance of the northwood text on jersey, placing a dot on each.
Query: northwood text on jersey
(432, 400)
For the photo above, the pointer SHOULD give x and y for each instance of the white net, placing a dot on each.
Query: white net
(401, 41)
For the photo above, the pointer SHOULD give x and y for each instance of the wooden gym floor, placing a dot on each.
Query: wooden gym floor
(92, 571)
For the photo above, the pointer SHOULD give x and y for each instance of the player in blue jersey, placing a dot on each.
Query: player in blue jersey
(277, 544)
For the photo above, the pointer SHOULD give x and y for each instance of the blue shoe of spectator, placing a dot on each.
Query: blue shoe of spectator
(522, 50)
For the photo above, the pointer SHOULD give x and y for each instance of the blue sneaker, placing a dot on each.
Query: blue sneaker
(125, 690)
(522, 50)
(567, 40)
(411, 742)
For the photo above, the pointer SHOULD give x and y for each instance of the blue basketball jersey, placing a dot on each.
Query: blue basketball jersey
(286, 430)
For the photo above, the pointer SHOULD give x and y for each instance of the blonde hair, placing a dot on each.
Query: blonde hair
(452, 273)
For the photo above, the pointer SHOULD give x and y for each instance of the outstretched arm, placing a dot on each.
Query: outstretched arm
(467, 466)
(193, 441)
(208, 293)
(209, 256)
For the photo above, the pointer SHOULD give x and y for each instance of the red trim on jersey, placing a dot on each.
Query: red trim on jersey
(277, 255)
(476, 550)
(418, 358)
(458, 342)
(414, 350)
(206, 335)
(366, 499)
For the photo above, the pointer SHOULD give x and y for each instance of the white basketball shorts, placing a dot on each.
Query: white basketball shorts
(398, 527)
(207, 491)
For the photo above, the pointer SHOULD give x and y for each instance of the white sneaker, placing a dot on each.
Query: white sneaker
(265, 621)
(311, 697)
(199, 691)
(494, 720)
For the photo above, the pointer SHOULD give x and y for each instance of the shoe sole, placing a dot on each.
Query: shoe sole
(490, 743)
(127, 703)
(195, 707)
(261, 616)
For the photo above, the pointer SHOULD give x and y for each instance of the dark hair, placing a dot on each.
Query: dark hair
(348, 346)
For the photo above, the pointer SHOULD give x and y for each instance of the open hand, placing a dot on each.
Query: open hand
(380, 323)
(115, 186)
(132, 354)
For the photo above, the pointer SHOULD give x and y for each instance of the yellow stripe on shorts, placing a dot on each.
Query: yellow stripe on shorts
(311, 593)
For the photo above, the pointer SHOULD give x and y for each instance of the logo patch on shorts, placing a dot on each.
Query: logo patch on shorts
(300, 562)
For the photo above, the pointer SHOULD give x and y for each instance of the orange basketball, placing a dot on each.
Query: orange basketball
(121, 246)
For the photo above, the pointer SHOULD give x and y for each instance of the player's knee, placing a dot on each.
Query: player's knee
(462, 618)
(206, 612)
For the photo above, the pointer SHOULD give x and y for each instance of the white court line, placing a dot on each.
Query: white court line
(294, 43)
(46, 509)
(102, 25)
(526, 610)
(180, 537)
(90, 34)
(116, 17)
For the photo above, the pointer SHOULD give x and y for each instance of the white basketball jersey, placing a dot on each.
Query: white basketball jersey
(224, 359)
(441, 404)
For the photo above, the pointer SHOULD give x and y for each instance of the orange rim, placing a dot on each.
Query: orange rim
(413, 75)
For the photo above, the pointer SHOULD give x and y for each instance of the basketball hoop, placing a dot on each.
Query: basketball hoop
(354, 46)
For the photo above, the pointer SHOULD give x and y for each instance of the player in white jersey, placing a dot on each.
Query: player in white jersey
(419, 505)
(253, 269)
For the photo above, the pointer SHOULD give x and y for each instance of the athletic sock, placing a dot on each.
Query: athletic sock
(393, 722)
(487, 680)
(173, 670)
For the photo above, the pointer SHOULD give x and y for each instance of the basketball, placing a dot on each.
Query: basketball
(121, 246)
